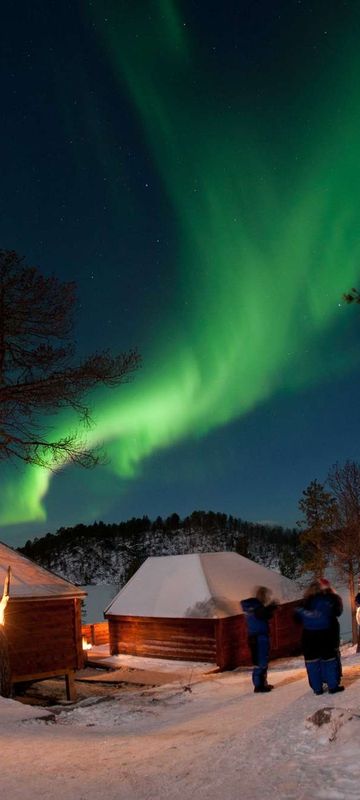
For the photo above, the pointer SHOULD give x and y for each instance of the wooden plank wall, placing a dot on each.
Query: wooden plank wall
(96, 633)
(285, 633)
(43, 636)
(182, 639)
(220, 641)
(87, 632)
(231, 638)
(231, 642)
(80, 656)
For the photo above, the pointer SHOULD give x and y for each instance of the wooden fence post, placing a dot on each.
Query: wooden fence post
(70, 686)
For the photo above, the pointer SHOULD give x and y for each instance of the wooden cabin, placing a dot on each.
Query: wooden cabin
(187, 607)
(42, 622)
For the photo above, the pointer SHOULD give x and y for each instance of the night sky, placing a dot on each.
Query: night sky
(195, 168)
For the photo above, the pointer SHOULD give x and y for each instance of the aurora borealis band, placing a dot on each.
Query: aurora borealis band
(248, 124)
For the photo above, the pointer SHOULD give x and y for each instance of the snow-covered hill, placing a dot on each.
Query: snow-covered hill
(108, 554)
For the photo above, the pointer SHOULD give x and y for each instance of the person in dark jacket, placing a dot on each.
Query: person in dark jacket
(337, 610)
(318, 641)
(258, 611)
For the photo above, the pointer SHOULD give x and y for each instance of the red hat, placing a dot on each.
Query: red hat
(324, 583)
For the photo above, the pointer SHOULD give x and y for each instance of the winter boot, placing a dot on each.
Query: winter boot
(262, 689)
(330, 674)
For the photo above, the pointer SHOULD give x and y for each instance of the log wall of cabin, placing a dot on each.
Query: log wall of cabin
(96, 633)
(232, 648)
(181, 639)
(231, 642)
(285, 633)
(44, 636)
(221, 641)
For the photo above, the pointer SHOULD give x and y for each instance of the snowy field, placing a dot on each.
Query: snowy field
(207, 738)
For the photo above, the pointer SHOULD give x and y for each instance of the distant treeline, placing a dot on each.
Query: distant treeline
(112, 552)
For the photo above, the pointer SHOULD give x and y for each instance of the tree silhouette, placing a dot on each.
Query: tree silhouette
(319, 509)
(344, 482)
(352, 297)
(38, 373)
(331, 535)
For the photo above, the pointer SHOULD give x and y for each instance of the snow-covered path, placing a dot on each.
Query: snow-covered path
(218, 740)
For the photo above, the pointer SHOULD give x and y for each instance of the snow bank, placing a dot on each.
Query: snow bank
(207, 739)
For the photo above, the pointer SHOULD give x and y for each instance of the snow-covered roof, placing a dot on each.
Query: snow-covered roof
(28, 580)
(197, 585)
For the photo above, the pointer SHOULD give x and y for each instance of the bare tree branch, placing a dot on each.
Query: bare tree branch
(352, 297)
(38, 374)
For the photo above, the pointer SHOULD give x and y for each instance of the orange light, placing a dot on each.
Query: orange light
(5, 597)
(3, 604)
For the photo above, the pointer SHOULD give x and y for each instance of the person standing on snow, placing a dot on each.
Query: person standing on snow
(337, 610)
(258, 611)
(317, 615)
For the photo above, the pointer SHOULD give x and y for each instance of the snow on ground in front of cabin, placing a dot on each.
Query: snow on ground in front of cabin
(101, 653)
(217, 740)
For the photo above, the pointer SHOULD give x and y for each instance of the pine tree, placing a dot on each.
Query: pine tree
(344, 483)
(331, 535)
(319, 510)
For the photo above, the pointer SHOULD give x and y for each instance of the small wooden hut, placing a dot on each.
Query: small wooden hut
(42, 621)
(187, 607)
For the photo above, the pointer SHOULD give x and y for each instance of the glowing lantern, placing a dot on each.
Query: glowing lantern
(5, 597)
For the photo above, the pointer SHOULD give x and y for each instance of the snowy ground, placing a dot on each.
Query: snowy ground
(207, 739)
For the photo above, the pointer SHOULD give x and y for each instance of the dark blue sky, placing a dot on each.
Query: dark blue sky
(83, 197)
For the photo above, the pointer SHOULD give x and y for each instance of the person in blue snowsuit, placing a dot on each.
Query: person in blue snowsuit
(337, 607)
(258, 611)
(317, 614)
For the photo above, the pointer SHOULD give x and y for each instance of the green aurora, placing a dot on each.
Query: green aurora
(267, 232)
